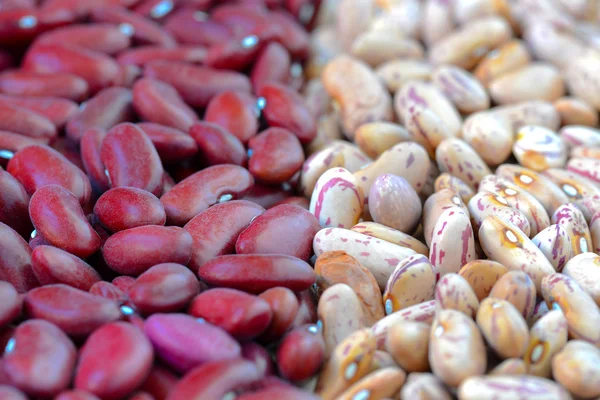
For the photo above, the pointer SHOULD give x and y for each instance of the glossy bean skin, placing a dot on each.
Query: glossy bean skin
(301, 353)
(90, 146)
(14, 202)
(507, 387)
(26, 122)
(435, 205)
(285, 306)
(236, 112)
(53, 265)
(26, 83)
(242, 315)
(74, 311)
(573, 186)
(108, 291)
(128, 207)
(517, 288)
(447, 181)
(388, 234)
(422, 312)
(15, 260)
(102, 38)
(58, 217)
(256, 273)
(265, 234)
(555, 243)
(218, 145)
(452, 291)
(582, 268)
(393, 202)
(482, 275)
(271, 56)
(503, 327)
(131, 361)
(574, 223)
(458, 158)
(203, 189)
(37, 165)
(12, 303)
(484, 204)
(408, 344)
(55, 109)
(510, 366)
(276, 155)
(197, 342)
(412, 282)
(546, 338)
(466, 92)
(584, 361)
(383, 382)
(129, 251)
(140, 56)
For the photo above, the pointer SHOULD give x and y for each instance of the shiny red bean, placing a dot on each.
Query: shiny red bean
(114, 361)
(15, 34)
(215, 379)
(160, 382)
(272, 65)
(56, 110)
(236, 54)
(183, 342)
(248, 19)
(256, 353)
(74, 311)
(81, 9)
(276, 156)
(155, 9)
(14, 204)
(285, 229)
(236, 112)
(163, 288)
(103, 38)
(295, 200)
(58, 217)
(285, 306)
(217, 145)
(90, 146)
(76, 395)
(11, 142)
(128, 207)
(294, 37)
(133, 251)
(11, 303)
(301, 353)
(307, 310)
(26, 122)
(196, 28)
(107, 108)
(268, 196)
(203, 189)
(53, 265)
(15, 260)
(171, 144)
(255, 273)
(131, 159)
(108, 291)
(123, 282)
(242, 315)
(58, 84)
(40, 358)
(140, 56)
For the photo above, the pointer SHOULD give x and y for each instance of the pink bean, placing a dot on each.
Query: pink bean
(235, 54)
(90, 146)
(237, 112)
(217, 145)
(103, 38)
(255, 273)
(59, 84)
(76, 312)
(11, 303)
(40, 358)
(53, 265)
(242, 315)
(160, 382)
(14, 204)
(301, 353)
(184, 342)
(76, 395)
(26, 122)
(128, 207)
(203, 189)
(123, 282)
(117, 372)
(133, 251)
(276, 156)
(15, 260)
(58, 217)
(171, 144)
(259, 356)
(272, 65)
(108, 291)
(284, 229)
(56, 110)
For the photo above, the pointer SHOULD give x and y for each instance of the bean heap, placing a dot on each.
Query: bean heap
(299, 199)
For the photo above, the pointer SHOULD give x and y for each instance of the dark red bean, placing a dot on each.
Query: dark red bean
(141, 396)
(203, 189)
(123, 282)
(301, 353)
(128, 207)
(41, 360)
(284, 305)
(294, 38)
(70, 151)
(114, 361)
(107, 108)
(14, 204)
(268, 196)
(276, 156)
(74, 311)
(217, 145)
(103, 38)
(235, 54)
(15, 260)
(155, 9)
(26, 122)
(163, 288)
(11, 303)
(242, 315)
(272, 65)
(307, 312)
(160, 382)
(196, 28)
(287, 392)
(248, 19)
(53, 265)
(171, 144)
(11, 142)
(108, 291)
(13, 34)
(284, 229)
(140, 56)
(133, 251)
(295, 200)
(76, 395)
(90, 146)
(215, 230)
(236, 112)
(131, 159)
(59, 84)
(55, 109)
(37, 240)
(256, 353)
(81, 9)
(184, 342)
(58, 217)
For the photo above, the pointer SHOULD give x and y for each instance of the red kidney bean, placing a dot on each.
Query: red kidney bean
(160, 382)
(37, 240)
(217, 145)
(123, 282)
(236, 54)
(81, 10)
(103, 38)
(248, 19)
(114, 360)
(256, 273)
(74, 311)
(11, 303)
(163, 288)
(6, 60)
(184, 342)
(242, 315)
(196, 85)
(307, 311)
(90, 146)
(301, 353)
(215, 379)
(208, 241)
(69, 150)
(287, 109)
(203, 189)
(55, 109)
(140, 56)
(15, 260)
(58, 217)
(53, 265)
(285, 229)
(41, 358)
(14, 204)
(14, 34)
(107, 108)
(196, 28)
(259, 356)
(295, 200)
(276, 156)
(36, 166)
(131, 159)
(144, 31)
(159, 102)
(133, 251)
(285, 306)
(272, 65)
(268, 196)
(294, 37)
(155, 9)
(128, 207)
(76, 395)
(11, 142)
(108, 291)
(11, 393)
(141, 396)
(236, 112)
(58, 84)
(26, 122)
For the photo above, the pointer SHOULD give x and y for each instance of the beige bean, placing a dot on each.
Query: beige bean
(422, 312)
(396, 73)
(595, 232)
(582, 80)
(394, 203)
(437, 21)
(490, 136)
(507, 58)
(425, 127)
(573, 221)
(462, 88)
(412, 282)
(535, 112)
(354, 157)
(574, 111)
(574, 186)
(484, 204)
(577, 368)
(423, 386)
(586, 167)
(551, 44)
(391, 235)
(535, 81)
(482, 275)
(408, 344)
(453, 292)
(316, 165)
(589, 206)
(434, 206)
(324, 46)
(447, 181)
(469, 10)
(374, 138)
(510, 388)
(539, 148)
(352, 18)
(585, 270)
(510, 366)
(377, 385)
(586, 152)
(517, 288)
(456, 157)
(376, 48)
(401, 18)
(328, 132)
(540, 309)
(546, 338)
(503, 327)
(579, 135)
(456, 348)
(555, 243)
(316, 97)
(382, 359)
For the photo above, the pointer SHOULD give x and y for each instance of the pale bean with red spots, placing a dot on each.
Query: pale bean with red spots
(412, 282)
(462, 88)
(546, 338)
(577, 368)
(337, 199)
(517, 288)
(503, 327)
(555, 243)
(453, 292)
(511, 387)
(584, 268)
(391, 235)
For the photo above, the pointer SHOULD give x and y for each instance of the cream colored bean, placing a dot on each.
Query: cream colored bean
(316, 165)
(503, 327)
(585, 152)
(382, 359)
(585, 270)
(540, 309)
(534, 112)
(582, 79)
(574, 186)
(352, 18)
(394, 203)
(316, 98)
(412, 282)
(325, 46)
(587, 167)
(546, 338)
(434, 206)
(461, 87)
(396, 73)
(376, 137)
(456, 348)
(510, 366)
(573, 221)
(578, 135)
(391, 235)
(453, 292)
(482, 275)
(378, 256)
(589, 206)
(425, 127)
(469, 10)
(408, 343)
(354, 157)
(577, 368)
(555, 243)
(539, 148)
(422, 312)
(328, 132)
(456, 157)
(377, 385)
(548, 43)
(423, 386)
(376, 48)
(510, 388)
(337, 199)
(535, 81)
(484, 204)
(448, 181)
(490, 136)
(400, 18)
(595, 232)
(574, 111)
(506, 58)
(517, 288)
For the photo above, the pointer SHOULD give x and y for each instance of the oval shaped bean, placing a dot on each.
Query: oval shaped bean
(508, 387)
(503, 327)
(490, 136)
(423, 386)
(577, 368)
(574, 111)
(456, 157)
(467, 94)
(535, 81)
(393, 202)
(510, 366)
(408, 344)
(218, 145)
(380, 384)
(533, 112)
(12, 303)
(394, 236)
(15, 260)
(284, 305)
(556, 245)
(53, 265)
(482, 275)
(236, 112)
(547, 336)
(395, 73)
(276, 155)
(412, 282)
(583, 268)
(509, 57)
(539, 148)
(579, 80)
(14, 202)
(517, 288)
(301, 353)
(374, 138)
(484, 204)
(422, 312)
(171, 144)
(452, 291)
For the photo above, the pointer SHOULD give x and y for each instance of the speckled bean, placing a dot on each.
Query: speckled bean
(510, 366)
(462, 88)
(456, 157)
(503, 327)
(506, 58)
(510, 387)
(316, 165)
(412, 282)
(396, 73)
(534, 112)
(583, 268)
(484, 204)
(435, 205)
(408, 344)
(453, 292)
(490, 136)
(422, 312)
(572, 220)
(546, 338)
(382, 383)
(374, 138)
(555, 243)
(574, 186)
(482, 275)
(424, 386)
(577, 368)
(391, 235)
(539, 148)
